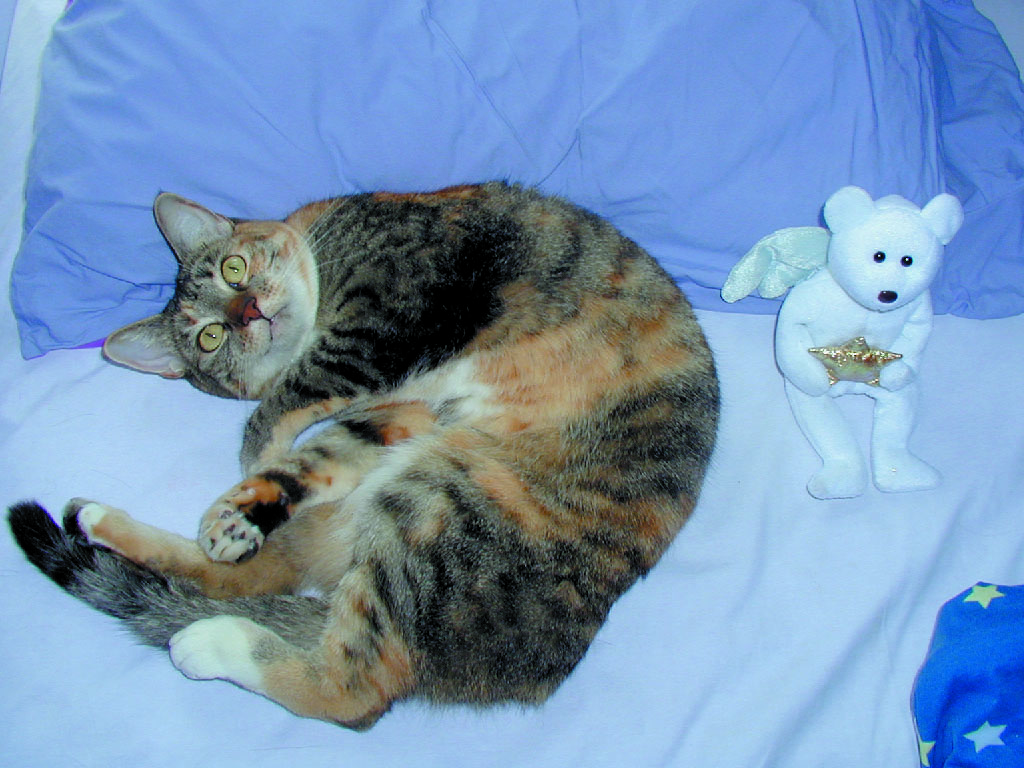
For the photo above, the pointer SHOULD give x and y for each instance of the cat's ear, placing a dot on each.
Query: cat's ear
(188, 226)
(145, 346)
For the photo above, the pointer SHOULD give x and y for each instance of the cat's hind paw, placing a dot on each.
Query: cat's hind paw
(218, 648)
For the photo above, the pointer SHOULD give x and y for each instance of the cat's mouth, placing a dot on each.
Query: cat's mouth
(278, 324)
(245, 311)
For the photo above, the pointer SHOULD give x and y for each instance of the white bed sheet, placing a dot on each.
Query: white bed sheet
(778, 630)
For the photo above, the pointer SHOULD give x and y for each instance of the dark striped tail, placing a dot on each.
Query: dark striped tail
(154, 606)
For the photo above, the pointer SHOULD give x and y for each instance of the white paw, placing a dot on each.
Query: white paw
(218, 649)
(895, 376)
(229, 536)
(89, 516)
(904, 472)
(838, 480)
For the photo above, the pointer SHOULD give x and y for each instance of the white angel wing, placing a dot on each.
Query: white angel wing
(777, 263)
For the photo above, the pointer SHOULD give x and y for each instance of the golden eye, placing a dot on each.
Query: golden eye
(232, 269)
(211, 337)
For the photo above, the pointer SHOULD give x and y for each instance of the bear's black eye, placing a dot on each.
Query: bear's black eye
(879, 257)
(906, 261)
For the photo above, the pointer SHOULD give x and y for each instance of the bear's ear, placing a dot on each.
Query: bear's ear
(847, 208)
(944, 215)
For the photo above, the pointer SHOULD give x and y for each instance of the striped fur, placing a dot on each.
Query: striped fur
(519, 407)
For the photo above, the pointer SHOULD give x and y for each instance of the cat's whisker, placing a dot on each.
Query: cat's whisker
(319, 230)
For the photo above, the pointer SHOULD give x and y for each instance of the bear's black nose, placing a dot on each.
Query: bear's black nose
(887, 297)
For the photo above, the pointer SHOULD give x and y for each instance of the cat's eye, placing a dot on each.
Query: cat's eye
(211, 337)
(232, 269)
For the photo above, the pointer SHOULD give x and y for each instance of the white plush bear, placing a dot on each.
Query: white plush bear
(857, 325)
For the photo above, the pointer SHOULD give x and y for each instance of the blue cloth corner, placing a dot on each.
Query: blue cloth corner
(969, 697)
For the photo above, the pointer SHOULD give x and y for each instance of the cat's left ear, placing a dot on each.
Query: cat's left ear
(145, 346)
(188, 226)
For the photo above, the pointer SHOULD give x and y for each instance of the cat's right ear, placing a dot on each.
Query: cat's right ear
(145, 346)
(188, 226)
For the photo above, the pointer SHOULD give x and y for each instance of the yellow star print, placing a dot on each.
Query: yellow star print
(983, 594)
(987, 735)
(925, 748)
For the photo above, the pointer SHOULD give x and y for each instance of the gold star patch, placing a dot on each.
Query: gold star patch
(854, 361)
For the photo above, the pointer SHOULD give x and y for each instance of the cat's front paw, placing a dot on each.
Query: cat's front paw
(235, 527)
(93, 521)
(229, 536)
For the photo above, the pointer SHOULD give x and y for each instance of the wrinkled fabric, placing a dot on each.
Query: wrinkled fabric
(697, 127)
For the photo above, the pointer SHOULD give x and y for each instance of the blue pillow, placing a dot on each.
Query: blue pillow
(696, 127)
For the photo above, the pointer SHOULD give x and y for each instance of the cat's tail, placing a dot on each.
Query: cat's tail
(153, 605)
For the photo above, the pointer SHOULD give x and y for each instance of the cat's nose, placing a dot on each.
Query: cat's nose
(243, 309)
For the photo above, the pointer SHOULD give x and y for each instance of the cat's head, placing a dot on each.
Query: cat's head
(243, 309)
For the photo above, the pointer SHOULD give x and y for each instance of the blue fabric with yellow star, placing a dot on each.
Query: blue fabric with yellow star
(969, 696)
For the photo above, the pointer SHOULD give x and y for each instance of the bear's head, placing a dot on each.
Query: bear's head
(884, 253)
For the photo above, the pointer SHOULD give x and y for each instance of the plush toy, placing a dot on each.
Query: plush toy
(855, 322)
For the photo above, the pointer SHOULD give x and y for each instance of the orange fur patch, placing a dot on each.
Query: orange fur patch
(250, 231)
(502, 484)
(458, 192)
(166, 552)
(306, 216)
(256, 490)
(610, 351)
(356, 673)
(400, 421)
(561, 373)
(294, 423)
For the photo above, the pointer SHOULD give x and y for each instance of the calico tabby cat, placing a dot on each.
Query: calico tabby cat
(519, 408)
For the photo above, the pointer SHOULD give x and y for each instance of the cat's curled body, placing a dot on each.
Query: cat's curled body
(520, 409)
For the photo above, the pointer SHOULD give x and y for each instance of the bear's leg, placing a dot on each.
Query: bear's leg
(893, 467)
(844, 473)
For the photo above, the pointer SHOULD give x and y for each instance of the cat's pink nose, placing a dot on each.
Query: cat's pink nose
(243, 309)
